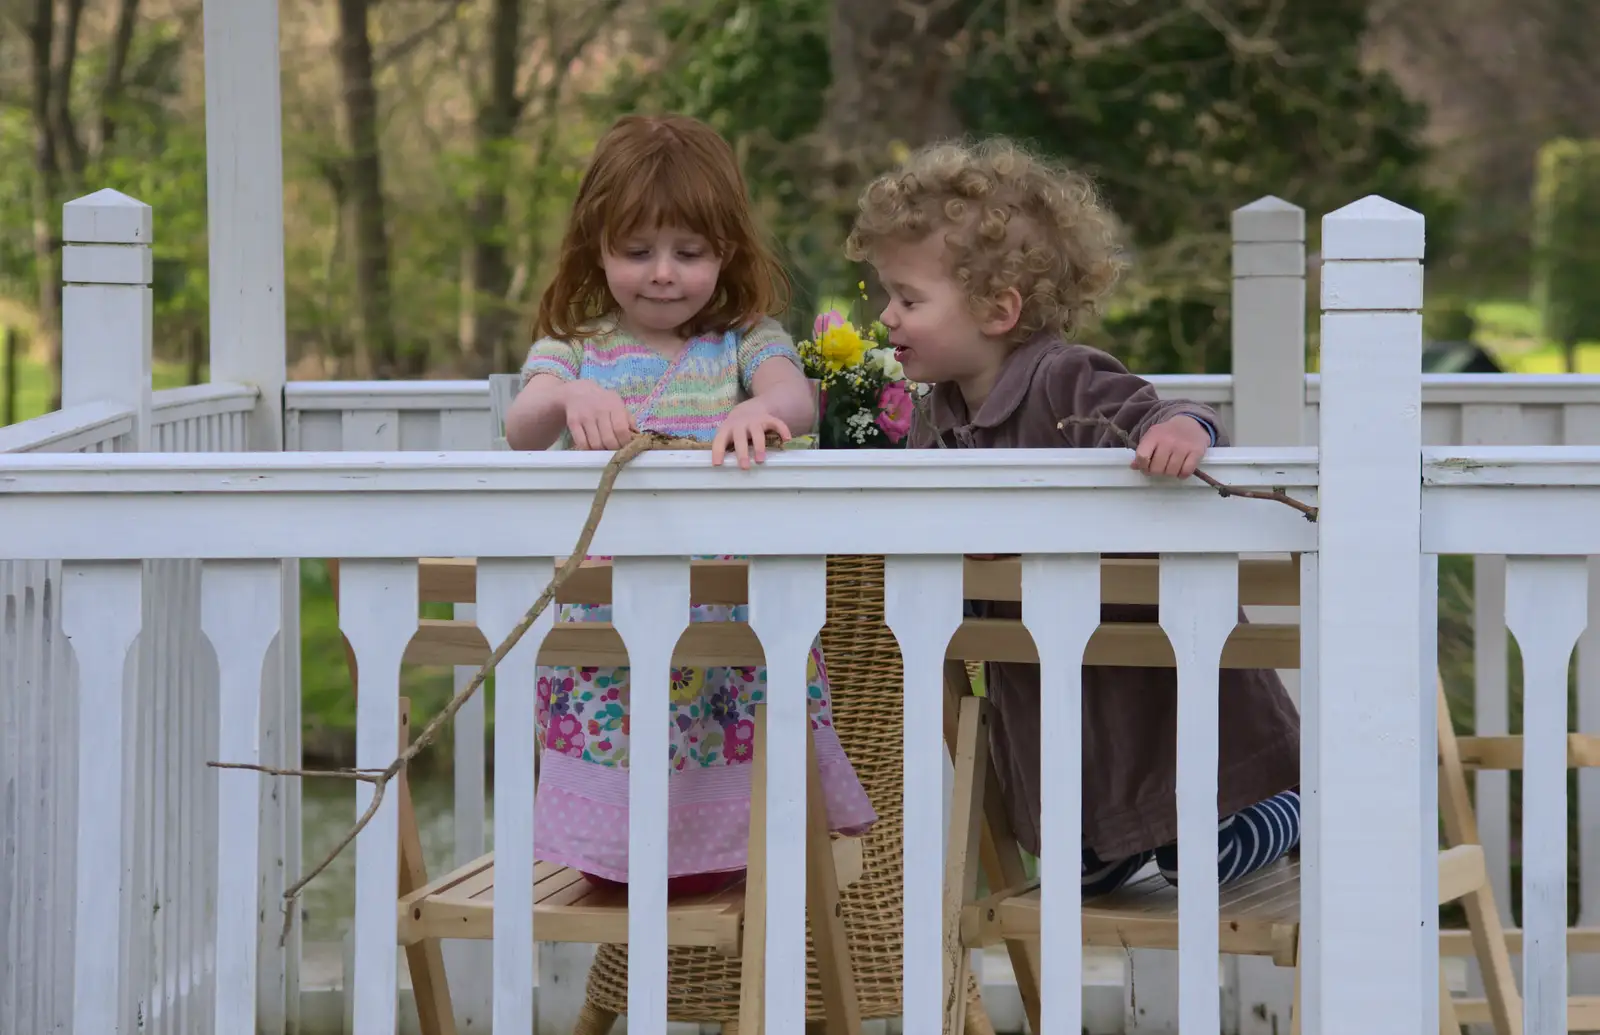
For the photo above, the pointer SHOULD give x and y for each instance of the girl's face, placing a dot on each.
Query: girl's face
(661, 278)
(931, 325)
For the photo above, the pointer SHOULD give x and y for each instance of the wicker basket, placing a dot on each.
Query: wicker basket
(867, 685)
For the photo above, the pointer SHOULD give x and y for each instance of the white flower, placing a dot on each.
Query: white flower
(859, 425)
(890, 367)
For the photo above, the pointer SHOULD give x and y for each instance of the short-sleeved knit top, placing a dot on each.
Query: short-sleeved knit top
(687, 396)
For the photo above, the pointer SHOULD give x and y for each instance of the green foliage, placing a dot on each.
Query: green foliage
(1566, 255)
(1179, 129)
(16, 211)
(1449, 320)
(757, 71)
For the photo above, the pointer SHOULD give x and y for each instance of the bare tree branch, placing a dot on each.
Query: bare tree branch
(404, 46)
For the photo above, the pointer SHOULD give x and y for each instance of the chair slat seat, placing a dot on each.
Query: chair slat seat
(1259, 915)
(569, 908)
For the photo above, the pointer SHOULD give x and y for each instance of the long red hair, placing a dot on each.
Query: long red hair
(662, 171)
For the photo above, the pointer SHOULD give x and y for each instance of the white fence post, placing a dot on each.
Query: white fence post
(1269, 323)
(1269, 409)
(106, 340)
(1369, 964)
(106, 308)
(244, 195)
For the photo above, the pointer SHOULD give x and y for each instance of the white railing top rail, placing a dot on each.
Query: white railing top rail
(68, 430)
(417, 504)
(191, 401)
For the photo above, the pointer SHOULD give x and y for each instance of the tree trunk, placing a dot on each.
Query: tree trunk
(894, 69)
(894, 66)
(46, 192)
(116, 71)
(487, 319)
(364, 182)
(8, 415)
(72, 156)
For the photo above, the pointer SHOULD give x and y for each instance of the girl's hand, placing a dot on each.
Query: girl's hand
(597, 417)
(1173, 447)
(745, 429)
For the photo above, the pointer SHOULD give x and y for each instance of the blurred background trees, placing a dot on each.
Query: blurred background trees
(432, 146)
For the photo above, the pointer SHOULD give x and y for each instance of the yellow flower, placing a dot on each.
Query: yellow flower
(841, 346)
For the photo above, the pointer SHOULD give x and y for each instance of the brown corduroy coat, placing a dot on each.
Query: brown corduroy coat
(1129, 714)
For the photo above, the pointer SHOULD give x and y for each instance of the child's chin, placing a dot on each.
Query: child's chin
(911, 370)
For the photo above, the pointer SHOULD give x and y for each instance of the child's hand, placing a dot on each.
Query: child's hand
(597, 417)
(745, 431)
(1173, 447)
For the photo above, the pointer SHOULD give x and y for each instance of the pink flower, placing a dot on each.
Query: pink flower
(894, 411)
(826, 321)
(566, 736)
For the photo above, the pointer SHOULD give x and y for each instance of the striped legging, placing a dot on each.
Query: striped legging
(1249, 839)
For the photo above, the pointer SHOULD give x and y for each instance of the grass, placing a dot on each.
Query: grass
(33, 384)
(327, 703)
(1509, 329)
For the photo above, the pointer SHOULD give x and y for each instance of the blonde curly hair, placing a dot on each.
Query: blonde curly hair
(1010, 219)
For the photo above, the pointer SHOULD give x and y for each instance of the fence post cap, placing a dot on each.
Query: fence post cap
(1373, 228)
(106, 217)
(1269, 220)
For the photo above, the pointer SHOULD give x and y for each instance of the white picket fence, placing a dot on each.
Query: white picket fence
(192, 555)
(168, 843)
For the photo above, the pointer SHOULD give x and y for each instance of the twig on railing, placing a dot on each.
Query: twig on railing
(1223, 490)
(379, 778)
(366, 775)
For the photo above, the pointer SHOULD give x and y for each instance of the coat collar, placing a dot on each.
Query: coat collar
(1010, 389)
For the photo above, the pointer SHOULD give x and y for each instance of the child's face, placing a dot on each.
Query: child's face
(661, 278)
(931, 325)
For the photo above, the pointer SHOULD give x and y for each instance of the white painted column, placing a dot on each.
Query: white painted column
(1369, 970)
(1269, 409)
(244, 206)
(244, 195)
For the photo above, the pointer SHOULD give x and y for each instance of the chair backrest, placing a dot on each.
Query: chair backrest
(502, 389)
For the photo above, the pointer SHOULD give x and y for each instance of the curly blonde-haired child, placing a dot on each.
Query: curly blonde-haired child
(991, 258)
(659, 317)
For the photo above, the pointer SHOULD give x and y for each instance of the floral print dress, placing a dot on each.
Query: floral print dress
(581, 807)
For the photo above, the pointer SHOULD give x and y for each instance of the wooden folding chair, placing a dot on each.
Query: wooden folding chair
(1259, 914)
(1456, 756)
(567, 908)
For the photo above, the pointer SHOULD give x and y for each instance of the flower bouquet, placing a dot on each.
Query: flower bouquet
(864, 400)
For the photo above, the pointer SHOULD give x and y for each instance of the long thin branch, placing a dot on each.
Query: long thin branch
(1223, 489)
(379, 778)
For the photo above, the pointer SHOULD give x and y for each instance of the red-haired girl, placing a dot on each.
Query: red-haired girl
(660, 318)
